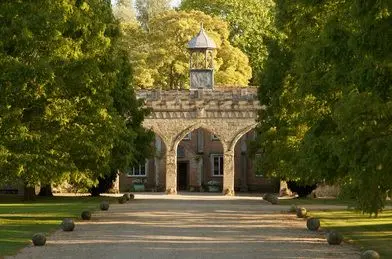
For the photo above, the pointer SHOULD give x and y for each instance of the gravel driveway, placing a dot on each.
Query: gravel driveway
(188, 226)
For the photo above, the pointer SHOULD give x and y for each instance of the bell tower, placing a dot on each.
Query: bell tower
(201, 61)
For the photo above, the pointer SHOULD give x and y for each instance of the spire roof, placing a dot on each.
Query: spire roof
(201, 41)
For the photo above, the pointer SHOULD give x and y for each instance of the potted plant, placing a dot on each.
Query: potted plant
(138, 184)
(213, 186)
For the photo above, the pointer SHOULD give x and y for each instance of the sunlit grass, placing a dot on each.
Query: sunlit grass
(20, 220)
(360, 229)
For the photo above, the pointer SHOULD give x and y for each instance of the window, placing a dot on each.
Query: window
(188, 136)
(214, 137)
(217, 165)
(180, 152)
(137, 170)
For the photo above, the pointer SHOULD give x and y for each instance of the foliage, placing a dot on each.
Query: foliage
(65, 92)
(139, 181)
(251, 25)
(148, 9)
(327, 85)
(213, 183)
(124, 11)
(160, 56)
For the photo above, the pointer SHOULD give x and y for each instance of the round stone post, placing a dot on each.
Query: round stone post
(171, 172)
(228, 172)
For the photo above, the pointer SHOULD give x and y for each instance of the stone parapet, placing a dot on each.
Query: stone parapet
(217, 103)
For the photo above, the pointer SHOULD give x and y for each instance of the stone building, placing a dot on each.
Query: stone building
(201, 134)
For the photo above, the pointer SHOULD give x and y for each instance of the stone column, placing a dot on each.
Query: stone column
(228, 172)
(171, 172)
(116, 183)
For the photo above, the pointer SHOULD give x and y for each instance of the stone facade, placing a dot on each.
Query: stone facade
(229, 114)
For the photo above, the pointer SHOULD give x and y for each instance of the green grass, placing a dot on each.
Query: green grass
(359, 229)
(319, 201)
(20, 220)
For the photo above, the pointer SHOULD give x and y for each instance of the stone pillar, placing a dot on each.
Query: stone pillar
(228, 172)
(171, 172)
(116, 183)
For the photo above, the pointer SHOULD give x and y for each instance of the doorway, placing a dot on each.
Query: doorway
(182, 176)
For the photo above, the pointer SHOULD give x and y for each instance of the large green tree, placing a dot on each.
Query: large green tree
(124, 10)
(251, 26)
(65, 92)
(328, 86)
(160, 56)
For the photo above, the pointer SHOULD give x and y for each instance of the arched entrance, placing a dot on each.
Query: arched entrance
(199, 161)
(228, 115)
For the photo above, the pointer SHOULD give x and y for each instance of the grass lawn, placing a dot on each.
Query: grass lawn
(20, 220)
(360, 229)
(357, 228)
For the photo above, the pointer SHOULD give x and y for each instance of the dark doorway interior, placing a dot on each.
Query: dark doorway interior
(182, 176)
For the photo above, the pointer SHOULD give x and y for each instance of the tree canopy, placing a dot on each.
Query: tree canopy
(148, 9)
(65, 92)
(160, 56)
(328, 86)
(251, 26)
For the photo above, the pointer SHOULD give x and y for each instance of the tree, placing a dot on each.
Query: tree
(124, 11)
(328, 113)
(251, 25)
(161, 58)
(148, 9)
(62, 84)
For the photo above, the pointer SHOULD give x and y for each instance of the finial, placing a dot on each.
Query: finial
(201, 26)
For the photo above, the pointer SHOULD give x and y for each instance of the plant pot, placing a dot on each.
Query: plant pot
(213, 188)
(138, 187)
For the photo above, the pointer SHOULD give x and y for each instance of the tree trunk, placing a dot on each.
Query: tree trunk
(29, 193)
(46, 191)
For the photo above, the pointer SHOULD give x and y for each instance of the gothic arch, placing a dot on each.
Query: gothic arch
(191, 128)
(239, 135)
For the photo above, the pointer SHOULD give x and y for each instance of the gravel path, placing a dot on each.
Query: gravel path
(186, 226)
